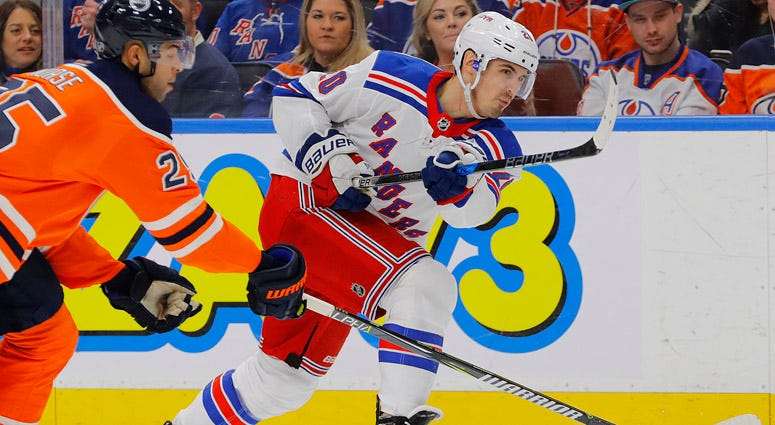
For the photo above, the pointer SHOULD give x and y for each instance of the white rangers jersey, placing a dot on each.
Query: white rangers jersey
(387, 106)
(690, 84)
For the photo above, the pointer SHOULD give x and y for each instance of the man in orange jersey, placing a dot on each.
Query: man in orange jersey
(584, 32)
(749, 80)
(67, 135)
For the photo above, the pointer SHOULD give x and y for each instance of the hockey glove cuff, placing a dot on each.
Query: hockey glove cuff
(318, 150)
(275, 288)
(156, 296)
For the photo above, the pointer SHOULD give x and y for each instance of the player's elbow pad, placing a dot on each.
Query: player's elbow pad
(478, 209)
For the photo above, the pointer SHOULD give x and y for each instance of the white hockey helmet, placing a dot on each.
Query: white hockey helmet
(491, 35)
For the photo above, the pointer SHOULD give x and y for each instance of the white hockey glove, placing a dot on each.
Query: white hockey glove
(332, 169)
(156, 296)
(440, 178)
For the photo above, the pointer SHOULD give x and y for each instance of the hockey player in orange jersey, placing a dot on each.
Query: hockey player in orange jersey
(69, 134)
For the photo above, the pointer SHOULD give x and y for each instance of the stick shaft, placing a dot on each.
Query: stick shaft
(585, 150)
(326, 309)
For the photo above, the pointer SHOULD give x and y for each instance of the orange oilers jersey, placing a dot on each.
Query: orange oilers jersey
(749, 79)
(80, 261)
(69, 133)
(585, 33)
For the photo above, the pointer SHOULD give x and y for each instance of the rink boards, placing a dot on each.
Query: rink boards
(635, 285)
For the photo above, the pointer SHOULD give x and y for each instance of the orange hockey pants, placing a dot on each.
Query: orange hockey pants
(30, 360)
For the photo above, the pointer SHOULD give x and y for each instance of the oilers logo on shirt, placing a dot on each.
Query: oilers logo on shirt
(764, 105)
(570, 45)
(633, 107)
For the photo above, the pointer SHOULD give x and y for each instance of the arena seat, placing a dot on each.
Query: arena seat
(250, 72)
(557, 91)
(212, 10)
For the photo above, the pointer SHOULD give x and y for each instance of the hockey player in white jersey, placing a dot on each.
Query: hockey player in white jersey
(365, 249)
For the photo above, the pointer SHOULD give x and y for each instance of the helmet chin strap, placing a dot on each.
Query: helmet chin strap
(153, 70)
(467, 95)
(136, 69)
(467, 89)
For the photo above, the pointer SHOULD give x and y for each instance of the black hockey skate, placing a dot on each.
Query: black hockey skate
(422, 415)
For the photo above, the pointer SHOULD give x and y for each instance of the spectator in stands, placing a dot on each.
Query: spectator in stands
(257, 30)
(663, 77)
(333, 36)
(585, 32)
(78, 16)
(725, 24)
(436, 26)
(22, 37)
(211, 88)
(750, 77)
(391, 22)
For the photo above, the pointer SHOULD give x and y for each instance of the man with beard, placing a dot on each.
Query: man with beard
(663, 77)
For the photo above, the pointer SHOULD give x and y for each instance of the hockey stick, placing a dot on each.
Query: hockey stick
(591, 147)
(417, 347)
(748, 419)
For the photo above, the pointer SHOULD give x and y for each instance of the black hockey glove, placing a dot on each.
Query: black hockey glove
(156, 296)
(275, 288)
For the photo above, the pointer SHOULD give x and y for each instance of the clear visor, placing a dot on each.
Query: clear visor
(527, 85)
(169, 52)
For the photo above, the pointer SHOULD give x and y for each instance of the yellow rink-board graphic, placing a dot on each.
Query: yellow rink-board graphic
(635, 285)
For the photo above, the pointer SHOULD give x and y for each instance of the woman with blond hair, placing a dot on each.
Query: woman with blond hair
(21, 37)
(333, 36)
(437, 24)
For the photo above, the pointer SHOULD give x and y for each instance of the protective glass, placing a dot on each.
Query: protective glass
(184, 50)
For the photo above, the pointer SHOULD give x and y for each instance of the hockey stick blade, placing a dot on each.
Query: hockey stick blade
(326, 309)
(749, 419)
(591, 147)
